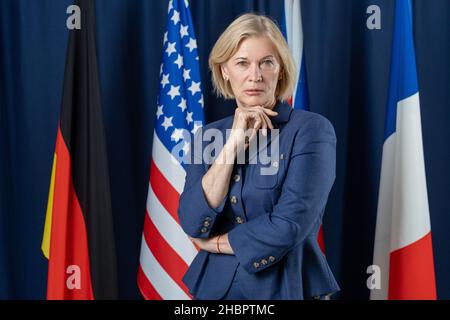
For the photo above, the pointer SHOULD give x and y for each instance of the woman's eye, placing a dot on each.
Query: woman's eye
(242, 63)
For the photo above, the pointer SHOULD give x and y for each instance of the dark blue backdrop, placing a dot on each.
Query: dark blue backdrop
(347, 67)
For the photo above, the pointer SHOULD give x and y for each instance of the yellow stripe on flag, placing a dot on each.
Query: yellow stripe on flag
(48, 217)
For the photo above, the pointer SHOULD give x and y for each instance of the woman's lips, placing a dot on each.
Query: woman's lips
(253, 92)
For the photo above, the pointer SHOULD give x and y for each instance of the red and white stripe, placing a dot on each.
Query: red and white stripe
(166, 251)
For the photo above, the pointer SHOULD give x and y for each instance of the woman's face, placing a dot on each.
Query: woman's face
(253, 72)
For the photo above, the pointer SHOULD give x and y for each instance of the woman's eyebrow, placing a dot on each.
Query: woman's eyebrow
(266, 57)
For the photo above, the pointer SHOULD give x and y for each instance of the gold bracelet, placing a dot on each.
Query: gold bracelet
(217, 243)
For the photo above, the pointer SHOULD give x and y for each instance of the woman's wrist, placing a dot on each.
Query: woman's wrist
(223, 244)
(230, 149)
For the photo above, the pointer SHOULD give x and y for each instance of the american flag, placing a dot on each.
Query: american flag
(166, 251)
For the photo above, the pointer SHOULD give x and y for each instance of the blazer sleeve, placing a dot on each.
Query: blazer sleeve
(263, 241)
(196, 216)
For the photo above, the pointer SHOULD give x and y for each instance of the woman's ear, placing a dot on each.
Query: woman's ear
(224, 72)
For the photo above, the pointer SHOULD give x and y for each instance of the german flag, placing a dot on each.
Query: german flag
(78, 237)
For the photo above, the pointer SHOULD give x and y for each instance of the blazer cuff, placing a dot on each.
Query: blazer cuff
(197, 215)
(244, 249)
(198, 193)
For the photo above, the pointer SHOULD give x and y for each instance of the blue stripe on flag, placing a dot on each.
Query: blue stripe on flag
(301, 96)
(403, 74)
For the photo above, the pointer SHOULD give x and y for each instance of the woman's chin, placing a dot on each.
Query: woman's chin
(256, 101)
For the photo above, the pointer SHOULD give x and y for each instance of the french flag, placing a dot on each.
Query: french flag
(403, 247)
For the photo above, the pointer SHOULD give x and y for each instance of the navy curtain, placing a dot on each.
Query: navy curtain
(348, 70)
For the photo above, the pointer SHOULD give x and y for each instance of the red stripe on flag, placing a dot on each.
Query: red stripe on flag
(68, 263)
(146, 288)
(320, 239)
(164, 191)
(411, 272)
(168, 258)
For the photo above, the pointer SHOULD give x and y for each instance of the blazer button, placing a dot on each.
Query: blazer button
(263, 262)
(239, 220)
(204, 230)
(233, 200)
(208, 219)
(271, 259)
(275, 164)
(206, 223)
(256, 265)
(282, 156)
(236, 178)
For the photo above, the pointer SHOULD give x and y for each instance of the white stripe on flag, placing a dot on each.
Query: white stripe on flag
(168, 165)
(169, 228)
(411, 217)
(382, 244)
(294, 33)
(160, 280)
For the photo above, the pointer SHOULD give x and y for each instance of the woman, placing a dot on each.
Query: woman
(257, 233)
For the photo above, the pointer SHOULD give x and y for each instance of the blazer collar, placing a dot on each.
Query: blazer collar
(284, 113)
(283, 109)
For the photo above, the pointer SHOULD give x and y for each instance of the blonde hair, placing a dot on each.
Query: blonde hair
(246, 26)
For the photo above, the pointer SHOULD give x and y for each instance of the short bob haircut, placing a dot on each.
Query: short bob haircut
(246, 26)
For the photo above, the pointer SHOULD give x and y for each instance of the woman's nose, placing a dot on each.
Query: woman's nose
(255, 73)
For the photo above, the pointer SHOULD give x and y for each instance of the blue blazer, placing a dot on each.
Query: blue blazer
(272, 220)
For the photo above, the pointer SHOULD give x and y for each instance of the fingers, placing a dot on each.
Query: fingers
(208, 244)
(270, 112)
(267, 119)
(267, 123)
(197, 242)
(258, 121)
(254, 118)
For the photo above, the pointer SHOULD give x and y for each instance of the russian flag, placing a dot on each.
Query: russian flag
(403, 248)
(293, 32)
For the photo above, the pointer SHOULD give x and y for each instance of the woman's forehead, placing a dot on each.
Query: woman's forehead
(255, 48)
